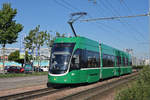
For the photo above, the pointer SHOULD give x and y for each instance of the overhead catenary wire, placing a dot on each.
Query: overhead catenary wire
(124, 4)
(112, 18)
(67, 5)
(73, 8)
(107, 27)
(61, 4)
(104, 26)
(70, 5)
(126, 24)
(114, 13)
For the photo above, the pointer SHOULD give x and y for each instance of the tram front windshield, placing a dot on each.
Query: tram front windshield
(60, 57)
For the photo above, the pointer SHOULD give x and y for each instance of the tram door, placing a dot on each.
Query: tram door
(75, 67)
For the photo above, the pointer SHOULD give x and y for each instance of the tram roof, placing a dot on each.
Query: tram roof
(87, 41)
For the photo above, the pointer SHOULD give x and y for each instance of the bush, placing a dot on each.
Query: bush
(138, 67)
(137, 90)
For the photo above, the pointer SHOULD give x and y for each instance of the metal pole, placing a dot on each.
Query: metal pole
(3, 59)
(24, 57)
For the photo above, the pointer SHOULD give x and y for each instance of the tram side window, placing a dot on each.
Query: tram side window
(108, 60)
(118, 61)
(82, 59)
(85, 59)
(127, 62)
(124, 61)
(92, 59)
(113, 60)
(130, 63)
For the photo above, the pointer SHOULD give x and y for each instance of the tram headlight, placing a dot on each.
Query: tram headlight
(72, 74)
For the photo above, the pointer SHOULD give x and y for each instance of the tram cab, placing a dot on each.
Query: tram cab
(61, 59)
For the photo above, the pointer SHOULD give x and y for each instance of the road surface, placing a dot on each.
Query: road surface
(18, 82)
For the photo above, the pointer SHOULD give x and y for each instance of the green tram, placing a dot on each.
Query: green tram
(81, 60)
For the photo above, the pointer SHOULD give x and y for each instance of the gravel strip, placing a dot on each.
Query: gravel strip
(19, 90)
(20, 82)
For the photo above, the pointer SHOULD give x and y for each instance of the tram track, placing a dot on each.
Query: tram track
(82, 95)
(88, 94)
(32, 94)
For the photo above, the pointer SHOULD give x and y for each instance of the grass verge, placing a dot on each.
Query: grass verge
(137, 90)
(8, 75)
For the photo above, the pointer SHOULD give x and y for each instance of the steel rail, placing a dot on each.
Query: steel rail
(32, 94)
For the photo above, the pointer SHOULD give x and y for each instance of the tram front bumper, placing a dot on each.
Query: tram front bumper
(59, 79)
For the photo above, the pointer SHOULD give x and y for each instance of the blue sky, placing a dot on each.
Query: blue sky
(52, 15)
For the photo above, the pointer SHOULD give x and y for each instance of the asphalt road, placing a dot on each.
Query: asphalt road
(17, 82)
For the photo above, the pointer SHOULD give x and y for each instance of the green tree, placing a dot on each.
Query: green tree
(49, 42)
(39, 41)
(29, 42)
(35, 39)
(58, 35)
(50, 39)
(9, 29)
(15, 56)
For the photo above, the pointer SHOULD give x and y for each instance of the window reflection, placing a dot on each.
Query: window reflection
(60, 57)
